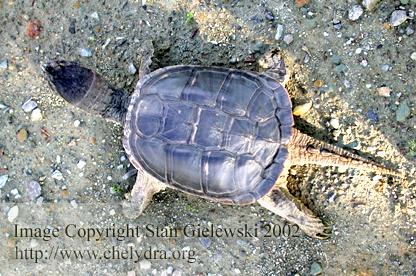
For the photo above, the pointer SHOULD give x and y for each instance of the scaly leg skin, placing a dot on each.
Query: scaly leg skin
(141, 194)
(282, 203)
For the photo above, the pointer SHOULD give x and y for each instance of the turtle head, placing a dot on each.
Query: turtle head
(86, 89)
(69, 79)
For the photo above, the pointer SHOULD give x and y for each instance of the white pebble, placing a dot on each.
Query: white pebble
(3, 180)
(29, 105)
(132, 69)
(85, 52)
(355, 12)
(288, 39)
(95, 15)
(77, 123)
(364, 63)
(14, 191)
(33, 190)
(413, 56)
(12, 213)
(334, 122)
(36, 115)
(145, 264)
(131, 273)
(3, 64)
(112, 212)
(109, 177)
(74, 203)
(81, 164)
(279, 32)
(57, 175)
(358, 51)
(169, 270)
(398, 17)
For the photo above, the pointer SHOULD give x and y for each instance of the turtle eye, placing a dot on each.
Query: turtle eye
(69, 79)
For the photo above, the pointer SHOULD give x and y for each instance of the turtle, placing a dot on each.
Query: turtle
(223, 134)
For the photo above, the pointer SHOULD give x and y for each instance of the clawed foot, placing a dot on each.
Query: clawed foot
(282, 203)
(315, 228)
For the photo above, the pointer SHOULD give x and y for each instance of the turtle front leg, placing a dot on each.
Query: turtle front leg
(141, 194)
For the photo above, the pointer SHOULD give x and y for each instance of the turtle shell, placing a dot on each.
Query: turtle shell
(213, 132)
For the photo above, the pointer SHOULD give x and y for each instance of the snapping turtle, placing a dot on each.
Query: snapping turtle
(223, 134)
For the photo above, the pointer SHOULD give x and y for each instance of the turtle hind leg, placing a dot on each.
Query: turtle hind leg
(282, 203)
(141, 194)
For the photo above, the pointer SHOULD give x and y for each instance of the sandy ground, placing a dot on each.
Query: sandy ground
(336, 63)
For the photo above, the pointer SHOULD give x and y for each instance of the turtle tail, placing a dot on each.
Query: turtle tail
(86, 89)
(307, 150)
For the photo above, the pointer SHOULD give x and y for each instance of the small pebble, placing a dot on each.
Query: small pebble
(81, 164)
(269, 15)
(169, 270)
(337, 24)
(3, 64)
(385, 67)
(409, 31)
(3, 180)
(372, 116)
(335, 59)
(16, 194)
(95, 15)
(288, 39)
(334, 122)
(279, 32)
(402, 112)
(112, 212)
(364, 63)
(57, 175)
(131, 273)
(36, 115)
(34, 28)
(206, 242)
(74, 203)
(33, 190)
(316, 268)
(85, 52)
(413, 56)
(384, 91)
(301, 3)
(29, 105)
(302, 109)
(77, 123)
(355, 12)
(132, 69)
(398, 17)
(129, 174)
(370, 5)
(12, 213)
(145, 264)
(22, 135)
